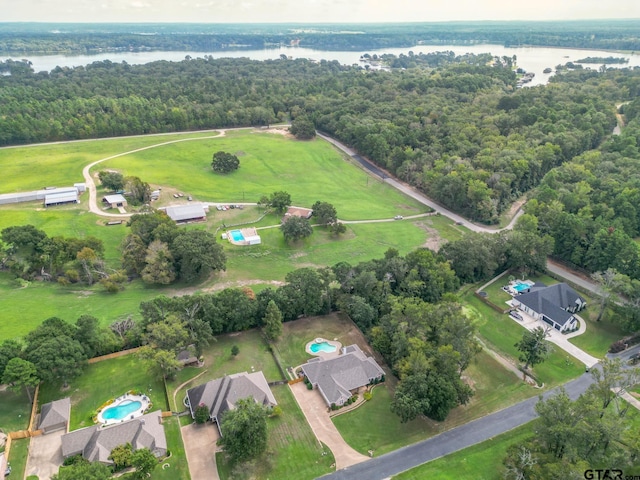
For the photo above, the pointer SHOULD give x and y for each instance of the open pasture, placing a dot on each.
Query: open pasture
(309, 171)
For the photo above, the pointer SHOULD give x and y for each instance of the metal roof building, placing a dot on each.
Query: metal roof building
(61, 196)
(115, 200)
(186, 213)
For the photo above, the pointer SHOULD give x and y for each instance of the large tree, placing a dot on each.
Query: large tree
(9, 349)
(302, 128)
(244, 430)
(159, 266)
(19, 374)
(144, 461)
(224, 162)
(324, 213)
(111, 180)
(58, 358)
(138, 192)
(197, 253)
(272, 322)
(279, 201)
(534, 347)
(160, 363)
(296, 228)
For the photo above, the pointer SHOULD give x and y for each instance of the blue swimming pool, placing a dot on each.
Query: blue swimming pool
(519, 286)
(325, 347)
(237, 235)
(122, 410)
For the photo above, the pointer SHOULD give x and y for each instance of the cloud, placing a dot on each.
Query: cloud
(137, 4)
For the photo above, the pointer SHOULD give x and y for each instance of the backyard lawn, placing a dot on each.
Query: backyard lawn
(103, 381)
(292, 450)
(15, 410)
(254, 356)
(336, 326)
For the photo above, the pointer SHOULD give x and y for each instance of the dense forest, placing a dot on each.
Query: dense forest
(455, 127)
(84, 38)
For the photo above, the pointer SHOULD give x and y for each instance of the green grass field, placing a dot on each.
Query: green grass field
(61, 164)
(309, 171)
(292, 449)
(15, 410)
(103, 381)
(479, 462)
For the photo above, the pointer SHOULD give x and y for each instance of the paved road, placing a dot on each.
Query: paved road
(573, 277)
(464, 436)
(407, 190)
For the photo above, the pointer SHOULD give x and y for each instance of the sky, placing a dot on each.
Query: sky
(310, 11)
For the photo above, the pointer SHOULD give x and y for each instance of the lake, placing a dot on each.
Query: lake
(531, 59)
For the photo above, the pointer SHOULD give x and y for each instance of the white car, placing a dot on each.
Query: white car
(398, 217)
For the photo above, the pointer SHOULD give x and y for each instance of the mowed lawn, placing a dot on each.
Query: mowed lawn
(15, 411)
(18, 458)
(61, 164)
(103, 381)
(308, 170)
(501, 333)
(494, 388)
(292, 449)
(479, 462)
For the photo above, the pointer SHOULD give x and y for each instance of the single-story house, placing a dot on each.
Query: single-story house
(339, 378)
(61, 196)
(221, 394)
(55, 416)
(297, 212)
(4, 468)
(188, 213)
(114, 201)
(95, 443)
(554, 305)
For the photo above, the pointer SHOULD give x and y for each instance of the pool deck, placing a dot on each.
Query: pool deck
(322, 354)
(127, 397)
(246, 233)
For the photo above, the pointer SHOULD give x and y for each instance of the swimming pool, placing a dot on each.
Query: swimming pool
(237, 235)
(325, 347)
(122, 410)
(519, 286)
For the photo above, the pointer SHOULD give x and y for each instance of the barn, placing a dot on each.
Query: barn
(188, 213)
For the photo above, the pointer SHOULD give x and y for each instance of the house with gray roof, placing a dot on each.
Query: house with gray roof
(114, 201)
(96, 442)
(554, 305)
(339, 378)
(55, 416)
(221, 394)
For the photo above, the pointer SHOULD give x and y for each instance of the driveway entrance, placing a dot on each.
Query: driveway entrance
(45, 455)
(315, 411)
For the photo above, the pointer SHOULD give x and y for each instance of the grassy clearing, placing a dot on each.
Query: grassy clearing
(309, 171)
(24, 308)
(494, 386)
(18, 457)
(479, 462)
(101, 382)
(61, 164)
(254, 356)
(15, 410)
(292, 447)
(501, 334)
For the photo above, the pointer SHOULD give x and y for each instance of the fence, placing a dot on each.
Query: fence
(113, 355)
(488, 302)
(34, 408)
(297, 380)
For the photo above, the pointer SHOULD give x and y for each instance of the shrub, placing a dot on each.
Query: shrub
(617, 347)
(276, 411)
(76, 459)
(334, 407)
(202, 414)
(309, 386)
(367, 396)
